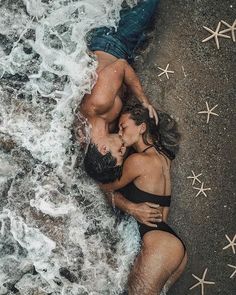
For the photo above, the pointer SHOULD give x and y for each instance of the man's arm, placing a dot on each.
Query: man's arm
(133, 82)
(109, 82)
(121, 72)
(146, 213)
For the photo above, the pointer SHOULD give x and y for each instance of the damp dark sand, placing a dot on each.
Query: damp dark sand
(202, 73)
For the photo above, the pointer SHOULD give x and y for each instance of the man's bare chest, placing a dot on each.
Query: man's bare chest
(113, 113)
(90, 107)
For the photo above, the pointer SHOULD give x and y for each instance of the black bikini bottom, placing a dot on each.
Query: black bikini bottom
(143, 229)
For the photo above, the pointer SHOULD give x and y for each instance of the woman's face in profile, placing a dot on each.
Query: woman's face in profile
(128, 130)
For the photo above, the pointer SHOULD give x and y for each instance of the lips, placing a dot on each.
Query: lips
(124, 143)
(123, 149)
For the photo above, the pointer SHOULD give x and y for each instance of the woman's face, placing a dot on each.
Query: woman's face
(128, 130)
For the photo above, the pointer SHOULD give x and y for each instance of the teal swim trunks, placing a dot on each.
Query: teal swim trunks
(131, 32)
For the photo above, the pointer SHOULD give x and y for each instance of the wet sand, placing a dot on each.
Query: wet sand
(202, 73)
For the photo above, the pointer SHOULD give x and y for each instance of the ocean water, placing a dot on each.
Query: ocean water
(57, 233)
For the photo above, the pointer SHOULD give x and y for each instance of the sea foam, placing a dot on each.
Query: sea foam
(58, 235)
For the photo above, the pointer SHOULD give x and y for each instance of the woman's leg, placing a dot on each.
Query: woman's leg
(175, 276)
(160, 256)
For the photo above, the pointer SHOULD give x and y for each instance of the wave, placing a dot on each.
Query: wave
(57, 233)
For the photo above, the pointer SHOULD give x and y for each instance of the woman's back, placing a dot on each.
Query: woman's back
(154, 173)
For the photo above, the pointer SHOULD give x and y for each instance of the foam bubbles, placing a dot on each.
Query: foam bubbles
(58, 235)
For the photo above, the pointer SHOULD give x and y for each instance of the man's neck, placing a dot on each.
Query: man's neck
(99, 128)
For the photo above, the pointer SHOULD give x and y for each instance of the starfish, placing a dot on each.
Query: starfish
(195, 177)
(231, 29)
(184, 72)
(215, 34)
(209, 112)
(231, 243)
(165, 71)
(202, 190)
(201, 282)
(233, 266)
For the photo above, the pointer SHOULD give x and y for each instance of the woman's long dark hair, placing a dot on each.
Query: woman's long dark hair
(165, 135)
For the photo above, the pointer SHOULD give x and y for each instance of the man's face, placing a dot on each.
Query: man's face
(113, 143)
(117, 148)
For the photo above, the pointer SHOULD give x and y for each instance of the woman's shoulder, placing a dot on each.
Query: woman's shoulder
(136, 158)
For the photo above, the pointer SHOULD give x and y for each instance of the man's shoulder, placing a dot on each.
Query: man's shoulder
(103, 95)
(113, 69)
(87, 107)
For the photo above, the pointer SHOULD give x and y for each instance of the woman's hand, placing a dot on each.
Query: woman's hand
(147, 213)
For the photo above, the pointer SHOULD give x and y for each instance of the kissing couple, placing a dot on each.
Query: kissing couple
(131, 148)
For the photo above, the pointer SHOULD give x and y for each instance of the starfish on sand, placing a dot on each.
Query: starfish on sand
(231, 29)
(215, 34)
(202, 190)
(194, 177)
(209, 112)
(232, 243)
(201, 282)
(233, 266)
(165, 71)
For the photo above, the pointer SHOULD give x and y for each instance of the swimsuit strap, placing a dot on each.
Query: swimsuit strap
(161, 150)
(150, 146)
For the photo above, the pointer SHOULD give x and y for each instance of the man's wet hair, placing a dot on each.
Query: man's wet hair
(101, 168)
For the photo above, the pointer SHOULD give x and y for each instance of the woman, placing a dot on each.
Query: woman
(146, 178)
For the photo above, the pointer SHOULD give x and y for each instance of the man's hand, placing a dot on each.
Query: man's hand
(105, 187)
(147, 213)
(152, 111)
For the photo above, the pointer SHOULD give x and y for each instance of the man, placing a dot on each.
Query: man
(106, 150)
(102, 107)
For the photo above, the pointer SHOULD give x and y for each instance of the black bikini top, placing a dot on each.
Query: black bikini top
(162, 150)
(136, 195)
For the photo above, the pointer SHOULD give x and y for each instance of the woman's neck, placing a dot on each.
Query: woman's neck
(139, 146)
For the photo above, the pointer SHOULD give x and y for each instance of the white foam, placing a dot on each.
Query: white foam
(54, 216)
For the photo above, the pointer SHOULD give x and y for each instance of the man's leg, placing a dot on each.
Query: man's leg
(133, 25)
(135, 22)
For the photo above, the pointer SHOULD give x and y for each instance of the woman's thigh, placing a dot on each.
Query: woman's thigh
(160, 256)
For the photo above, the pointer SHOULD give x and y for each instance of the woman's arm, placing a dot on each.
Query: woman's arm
(131, 170)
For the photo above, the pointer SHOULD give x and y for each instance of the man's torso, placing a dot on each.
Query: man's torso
(92, 104)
